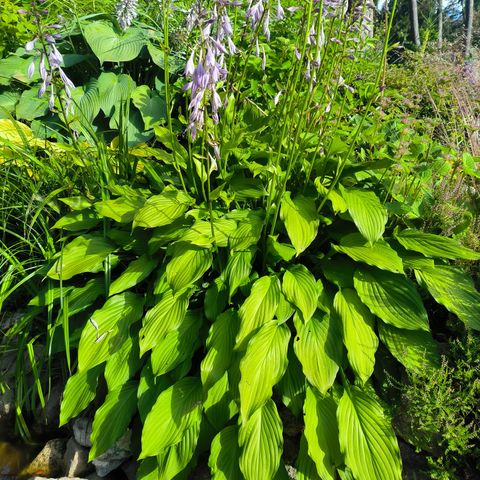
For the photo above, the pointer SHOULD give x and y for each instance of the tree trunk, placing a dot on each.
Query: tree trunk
(414, 22)
(469, 27)
(440, 24)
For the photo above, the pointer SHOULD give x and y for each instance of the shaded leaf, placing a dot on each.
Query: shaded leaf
(137, 271)
(224, 455)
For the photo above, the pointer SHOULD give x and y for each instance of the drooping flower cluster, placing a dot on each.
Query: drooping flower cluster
(126, 11)
(206, 67)
(50, 60)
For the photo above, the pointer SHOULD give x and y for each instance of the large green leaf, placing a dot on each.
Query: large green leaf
(306, 468)
(30, 106)
(366, 437)
(261, 441)
(15, 67)
(77, 221)
(301, 220)
(219, 405)
(238, 270)
(137, 271)
(177, 345)
(84, 253)
(112, 45)
(177, 409)
(8, 100)
(379, 255)
(318, 346)
(292, 385)
(108, 328)
(121, 209)
(415, 349)
(188, 264)
(301, 290)
(123, 364)
(175, 458)
(262, 366)
(455, 290)
(224, 455)
(258, 308)
(248, 231)
(80, 390)
(434, 245)
(321, 432)
(114, 90)
(358, 332)
(151, 105)
(220, 343)
(86, 101)
(112, 418)
(391, 297)
(162, 318)
(162, 209)
(368, 213)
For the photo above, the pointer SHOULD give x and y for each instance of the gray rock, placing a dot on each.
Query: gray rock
(7, 407)
(291, 472)
(61, 478)
(114, 456)
(49, 461)
(76, 460)
(82, 429)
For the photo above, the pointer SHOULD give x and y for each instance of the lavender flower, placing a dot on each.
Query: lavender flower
(49, 66)
(126, 11)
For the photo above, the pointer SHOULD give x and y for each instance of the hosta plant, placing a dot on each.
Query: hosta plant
(251, 267)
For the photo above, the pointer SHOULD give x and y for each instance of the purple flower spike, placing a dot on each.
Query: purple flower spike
(30, 45)
(31, 69)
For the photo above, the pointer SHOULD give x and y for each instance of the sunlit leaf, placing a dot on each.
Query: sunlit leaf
(112, 418)
(434, 245)
(258, 308)
(84, 253)
(224, 455)
(391, 297)
(137, 271)
(262, 366)
(176, 410)
(366, 437)
(358, 332)
(321, 432)
(301, 290)
(379, 255)
(261, 441)
(368, 213)
(301, 220)
(318, 346)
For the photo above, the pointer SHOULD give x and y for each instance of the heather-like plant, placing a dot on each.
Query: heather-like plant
(252, 263)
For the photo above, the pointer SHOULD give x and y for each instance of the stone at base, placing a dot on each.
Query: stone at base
(49, 461)
(76, 460)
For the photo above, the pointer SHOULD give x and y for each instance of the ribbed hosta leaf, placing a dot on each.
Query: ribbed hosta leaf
(162, 318)
(391, 297)
(415, 349)
(321, 432)
(220, 343)
(301, 220)
(306, 468)
(83, 254)
(248, 231)
(162, 209)
(176, 410)
(368, 213)
(123, 364)
(80, 390)
(108, 328)
(358, 332)
(219, 406)
(453, 289)
(238, 270)
(177, 345)
(366, 437)
(301, 290)
(379, 255)
(122, 209)
(258, 308)
(114, 90)
(111, 45)
(261, 442)
(112, 418)
(262, 366)
(292, 385)
(434, 245)
(200, 233)
(175, 458)
(137, 271)
(224, 455)
(187, 265)
(78, 221)
(318, 346)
